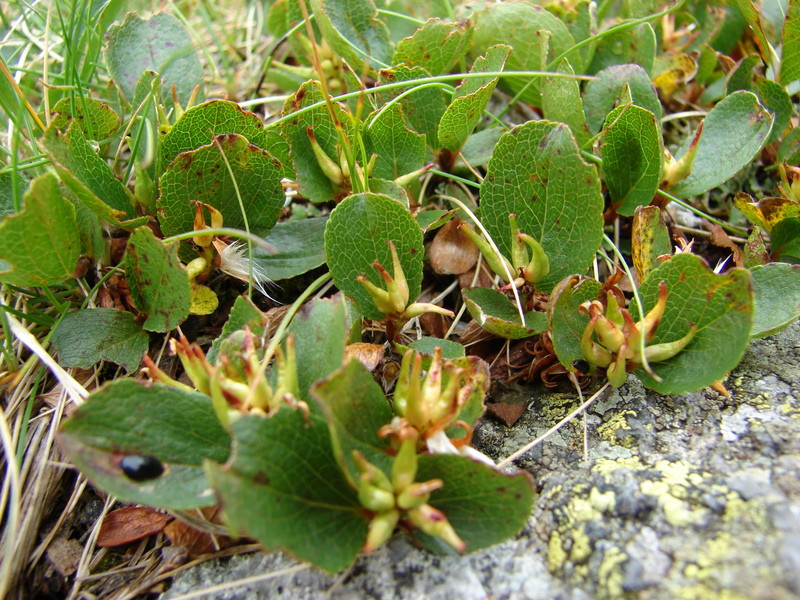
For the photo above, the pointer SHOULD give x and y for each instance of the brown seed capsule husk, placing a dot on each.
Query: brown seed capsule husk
(451, 251)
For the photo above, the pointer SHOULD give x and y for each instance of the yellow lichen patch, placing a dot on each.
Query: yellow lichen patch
(610, 573)
(605, 466)
(671, 492)
(555, 552)
(790, 410)
(750, 512)
(581, 545)
(602, 501)
(581, 509)
(719, 552)
(609, 430)
(763, 401)
(704, 592)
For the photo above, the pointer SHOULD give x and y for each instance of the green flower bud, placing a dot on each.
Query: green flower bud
(539, 265)
(394, 299)
(666, 350)
(380, 529)
(329, 167)
(373, 497)
(435, 523)
(404, 467)
(497, 262)
(418, 494)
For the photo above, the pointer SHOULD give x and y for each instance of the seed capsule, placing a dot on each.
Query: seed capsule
(141, 467)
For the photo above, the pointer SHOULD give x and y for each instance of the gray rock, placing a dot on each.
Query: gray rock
(679, 497)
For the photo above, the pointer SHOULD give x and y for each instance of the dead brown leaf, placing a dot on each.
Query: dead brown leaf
(719, 237)
(507, 413)
(126, 525)
(194, 541)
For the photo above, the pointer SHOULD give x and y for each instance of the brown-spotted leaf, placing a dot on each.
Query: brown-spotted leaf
(650, 239)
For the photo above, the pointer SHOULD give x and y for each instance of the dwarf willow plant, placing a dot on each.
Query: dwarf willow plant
(381, 140)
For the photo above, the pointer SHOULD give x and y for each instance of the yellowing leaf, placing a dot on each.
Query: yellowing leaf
(204, 301)
(674, 70)
(767, 212)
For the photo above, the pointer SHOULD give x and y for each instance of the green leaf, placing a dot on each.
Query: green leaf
(431, 220)
(357, 236)
(561, 101)
(478, 148)
(566, 323)
(777, 298)
(789, 149)
(649, 239)
(203, 175)
(88, 336)
(484, 506)
(311, 179)
(537, 173)
(790, 60)
(470, 100)
(536, 35)
(776, 100)
(603, 93)
(285, 488)
(90, 229)
(355, 407)
(427, 345)
(721, 306)
(353, 30)
(243, 314)
(496, 314)
(423, 107)
(40, 245)
(399, 150)
(299, 246)
(201, 124)
(320, 334)
(785, 239)
(177, 427)
(436, 46)
(95, 119)
(87, 175)
(158, 282)
(753, 16)
(10, 197)
(632, 45)
(632, 153)
(771, 94)
(734, 131)
(158, 44)
(582, 24)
